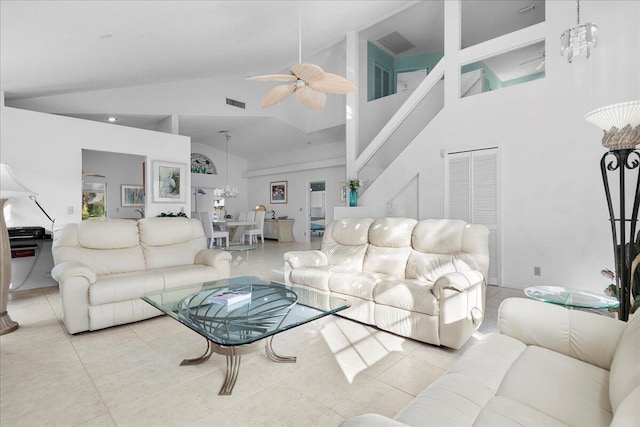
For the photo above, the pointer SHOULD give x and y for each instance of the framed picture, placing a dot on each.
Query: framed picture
(169, 182)
(343, 191)
(131, 195)
(278, 191)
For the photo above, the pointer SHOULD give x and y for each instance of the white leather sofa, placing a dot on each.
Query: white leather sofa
(104, 267)
(419, 279)
(548, 366)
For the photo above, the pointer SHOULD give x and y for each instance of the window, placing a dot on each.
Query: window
(94, 200)
(382, 81)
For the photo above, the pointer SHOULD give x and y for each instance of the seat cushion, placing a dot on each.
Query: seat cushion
(567, 389)
(187, 275)
(501, 411)
(113, 288)
(407, 294)
(358, 284)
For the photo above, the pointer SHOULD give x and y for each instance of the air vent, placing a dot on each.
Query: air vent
(235, 103)
(396, 43)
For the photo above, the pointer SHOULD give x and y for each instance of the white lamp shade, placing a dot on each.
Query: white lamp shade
(616, 115)
(9, 185)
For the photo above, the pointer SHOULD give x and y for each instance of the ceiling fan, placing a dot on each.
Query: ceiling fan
(94, 174)
(540, 58)
(309, 82)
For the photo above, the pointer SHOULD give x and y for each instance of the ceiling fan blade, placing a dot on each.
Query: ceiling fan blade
(333, 83)
(308, 72)
(277, 94)
(94, 174)
(311, 98)
(274, 78)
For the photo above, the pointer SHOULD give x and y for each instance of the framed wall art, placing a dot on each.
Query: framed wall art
(131, 195)
(278, 192)
(169, 182)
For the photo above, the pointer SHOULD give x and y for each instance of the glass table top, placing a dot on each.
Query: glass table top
(571, 297)
(268, 308)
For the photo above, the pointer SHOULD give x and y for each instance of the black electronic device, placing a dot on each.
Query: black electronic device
(26, 233)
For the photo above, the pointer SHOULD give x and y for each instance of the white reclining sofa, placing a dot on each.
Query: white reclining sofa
(420, 279)
(548, 366)
(104, 267)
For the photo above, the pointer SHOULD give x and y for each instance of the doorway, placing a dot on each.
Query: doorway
(317, 210)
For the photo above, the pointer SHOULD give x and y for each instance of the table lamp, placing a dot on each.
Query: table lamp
(9, 187)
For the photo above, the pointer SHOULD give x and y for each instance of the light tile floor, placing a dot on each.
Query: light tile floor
(130, 375)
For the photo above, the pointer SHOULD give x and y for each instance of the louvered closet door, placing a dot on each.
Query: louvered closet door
(472, 194)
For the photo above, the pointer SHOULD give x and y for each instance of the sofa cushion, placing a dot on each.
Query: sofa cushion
(625, 367)
(123, 287)
(111, 234)
(348, 232)
(121, 257)
(392, 261)
(358, 284)
(170, 242)
(407, 294)
(572, 391)
(429, 267)
(184, 275)
(392, 232)
(438, 236)
(315, 277)
(501, 411)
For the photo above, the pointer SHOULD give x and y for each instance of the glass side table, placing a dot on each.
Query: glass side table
(571, 298)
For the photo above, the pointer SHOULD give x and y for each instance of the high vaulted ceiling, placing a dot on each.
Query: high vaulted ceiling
(55, 47)
(69, 46)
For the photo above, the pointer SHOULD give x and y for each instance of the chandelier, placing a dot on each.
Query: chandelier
(576, 43)
(227, 190)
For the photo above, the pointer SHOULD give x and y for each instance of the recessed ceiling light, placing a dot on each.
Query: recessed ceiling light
(112, 119)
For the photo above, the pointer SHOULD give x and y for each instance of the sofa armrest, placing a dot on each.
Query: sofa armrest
(458, 281)
(75, 279)
(66, 270)
(312, 258)
(217, 258)
(585, 336)
(372, 420)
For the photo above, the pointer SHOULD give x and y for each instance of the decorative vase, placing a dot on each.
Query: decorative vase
(353, 198)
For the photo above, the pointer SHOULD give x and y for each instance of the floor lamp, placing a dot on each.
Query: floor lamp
(621, 126)
(9, 187)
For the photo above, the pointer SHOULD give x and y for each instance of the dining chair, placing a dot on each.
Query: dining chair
(242, 216)
(207, 223)
(258, 229)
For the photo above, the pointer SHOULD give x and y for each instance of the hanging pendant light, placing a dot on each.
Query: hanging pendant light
(577, 43)
(227, 190)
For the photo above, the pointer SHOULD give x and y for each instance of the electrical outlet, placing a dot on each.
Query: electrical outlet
(537, 271)
(70, 210)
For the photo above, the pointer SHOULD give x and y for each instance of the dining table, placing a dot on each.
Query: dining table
(236, 228)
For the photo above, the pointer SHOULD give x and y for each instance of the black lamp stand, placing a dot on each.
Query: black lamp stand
(623, 223)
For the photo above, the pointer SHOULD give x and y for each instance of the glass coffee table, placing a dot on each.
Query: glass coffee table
(237, 328)
(571, 298)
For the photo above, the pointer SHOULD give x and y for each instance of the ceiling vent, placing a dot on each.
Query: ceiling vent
(396, 43)
(235, 103)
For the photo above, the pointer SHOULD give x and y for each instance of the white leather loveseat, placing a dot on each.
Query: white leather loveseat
(420, 279)
(548, 366)
(104, 267)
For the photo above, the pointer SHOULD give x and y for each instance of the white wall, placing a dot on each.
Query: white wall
(554, 212)
(45, 154)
